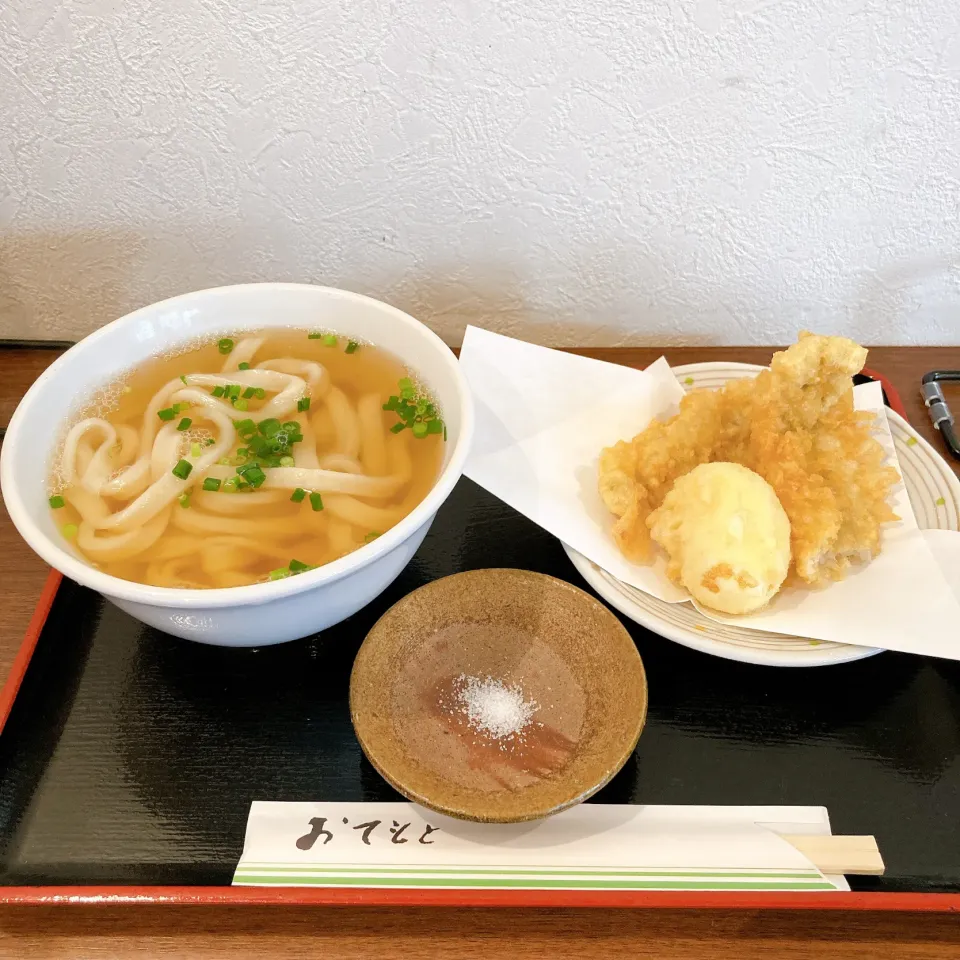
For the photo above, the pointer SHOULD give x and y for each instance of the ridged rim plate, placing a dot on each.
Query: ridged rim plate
(934, 492)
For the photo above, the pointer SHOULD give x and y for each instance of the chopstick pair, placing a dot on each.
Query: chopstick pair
(855, 856)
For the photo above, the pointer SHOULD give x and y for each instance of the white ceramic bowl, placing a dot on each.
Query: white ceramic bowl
(264, 613)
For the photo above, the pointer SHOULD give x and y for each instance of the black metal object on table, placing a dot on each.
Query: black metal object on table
(937, 407)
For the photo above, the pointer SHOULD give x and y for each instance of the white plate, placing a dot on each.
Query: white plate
(934, 492)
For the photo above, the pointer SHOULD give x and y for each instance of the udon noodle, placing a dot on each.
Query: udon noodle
(245, 459)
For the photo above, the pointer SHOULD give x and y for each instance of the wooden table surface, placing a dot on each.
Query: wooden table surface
(204, 933)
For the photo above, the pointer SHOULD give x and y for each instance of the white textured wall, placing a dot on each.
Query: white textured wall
(592, 171)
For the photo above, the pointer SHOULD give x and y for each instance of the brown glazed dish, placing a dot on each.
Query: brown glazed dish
(554, 645)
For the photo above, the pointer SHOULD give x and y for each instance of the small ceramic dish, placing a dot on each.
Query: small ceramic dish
(498, 695)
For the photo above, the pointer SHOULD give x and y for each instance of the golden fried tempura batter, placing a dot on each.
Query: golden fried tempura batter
(793, 424)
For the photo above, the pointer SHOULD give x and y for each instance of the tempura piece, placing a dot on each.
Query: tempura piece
(726, 535)
(793, 424)
(636, 475)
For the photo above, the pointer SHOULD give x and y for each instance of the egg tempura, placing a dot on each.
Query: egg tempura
(726, 535)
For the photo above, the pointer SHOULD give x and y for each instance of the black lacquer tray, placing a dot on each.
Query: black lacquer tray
(129, 758)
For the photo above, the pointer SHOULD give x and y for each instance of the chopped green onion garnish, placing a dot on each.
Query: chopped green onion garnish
(195, 450)
(219, 391)
(297, 567)
(184, 379)
(243, 366)
(252, 474)
(259, 392)
(298, 495)
(330, 340)
(303, 404)
(316, 501)
(279, 573)
(57, 502)
(184, 500)
(230, 486)
(245, 427)
(225, 345)
(292, 430)
(352, 346)
(416, 412)
(243, 452)
(69, 530)
(371, 536)
(287, 462)
(184, 424)
(209, 441)
(314, 336)
(249, 393)
(182, 470)
(241, 404)
(167, 413)
(233, 391)
(212, 484)
(270, 427)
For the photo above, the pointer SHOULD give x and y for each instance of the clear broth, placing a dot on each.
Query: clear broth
(222, 539)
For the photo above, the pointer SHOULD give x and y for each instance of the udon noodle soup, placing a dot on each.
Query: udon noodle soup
(245, 459)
